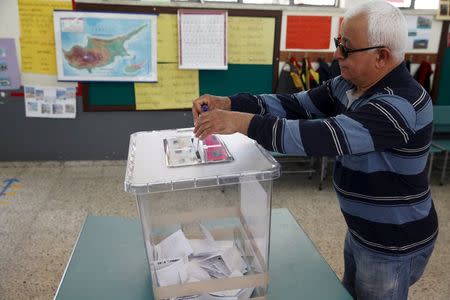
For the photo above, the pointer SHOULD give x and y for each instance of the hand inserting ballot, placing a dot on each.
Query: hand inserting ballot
(212, 115)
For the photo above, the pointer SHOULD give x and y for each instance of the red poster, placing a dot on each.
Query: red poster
(308, 32)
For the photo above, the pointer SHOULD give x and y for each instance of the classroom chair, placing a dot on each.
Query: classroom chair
(301, 164)
(435, 149)
(441, 135)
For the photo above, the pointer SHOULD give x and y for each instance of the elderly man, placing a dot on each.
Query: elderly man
(377, 121)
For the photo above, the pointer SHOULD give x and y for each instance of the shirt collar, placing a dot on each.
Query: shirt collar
(392, 79)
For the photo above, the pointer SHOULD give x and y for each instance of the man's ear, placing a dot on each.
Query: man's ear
(383, 57)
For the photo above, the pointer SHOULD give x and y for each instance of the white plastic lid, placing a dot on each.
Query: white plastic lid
(147, 171)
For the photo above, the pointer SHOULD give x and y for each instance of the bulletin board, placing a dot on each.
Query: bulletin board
(245, 72)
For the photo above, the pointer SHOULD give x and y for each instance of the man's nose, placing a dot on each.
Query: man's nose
(337, 54)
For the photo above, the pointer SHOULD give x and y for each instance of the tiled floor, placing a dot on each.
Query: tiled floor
(41, 216)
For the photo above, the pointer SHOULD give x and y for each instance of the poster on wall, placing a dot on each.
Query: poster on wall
(443, 12)
(419, 31)
(50, 102)
(9, 68)
(308, 32)
(105, 46)
(202, 39)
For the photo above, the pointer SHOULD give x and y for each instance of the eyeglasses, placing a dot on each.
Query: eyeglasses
(346, 51)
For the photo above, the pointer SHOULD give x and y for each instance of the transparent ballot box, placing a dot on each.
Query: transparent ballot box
(205, 208)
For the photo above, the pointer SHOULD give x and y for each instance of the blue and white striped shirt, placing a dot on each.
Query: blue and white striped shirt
(381, 143)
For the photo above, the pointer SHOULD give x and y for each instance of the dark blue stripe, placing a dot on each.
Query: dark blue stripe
(245, 102)
(317, 139)
(391, 235)
(290, 104)
(401, 152)
(383, 132)
(324, 100)
(422, 103)
(341, 136)
(426, 99)
(395, 113)
(419, 140)
(380, 184)
(260, 129)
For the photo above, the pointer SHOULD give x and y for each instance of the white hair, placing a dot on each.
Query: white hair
(386, 26)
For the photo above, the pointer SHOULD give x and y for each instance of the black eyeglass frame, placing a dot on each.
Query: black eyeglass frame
(345, 51)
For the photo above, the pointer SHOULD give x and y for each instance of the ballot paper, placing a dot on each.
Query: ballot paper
(171, 271)
(243, 294)
(203, 247)
(229, 293)
(179, 260)
(175, 245)
(196, 273)
(224, 263)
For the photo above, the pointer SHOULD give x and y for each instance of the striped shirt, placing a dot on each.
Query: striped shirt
(381, 142)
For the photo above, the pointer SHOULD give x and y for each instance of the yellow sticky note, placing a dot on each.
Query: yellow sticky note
(175, 89)
(251, 40)
(167, 38)
(37, 39)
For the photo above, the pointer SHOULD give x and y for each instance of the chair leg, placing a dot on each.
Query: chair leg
(311, 166)
(430, 166)
(444, 168)
(323, 171)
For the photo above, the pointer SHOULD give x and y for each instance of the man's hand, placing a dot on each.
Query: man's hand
(213, 102)
(221, 122)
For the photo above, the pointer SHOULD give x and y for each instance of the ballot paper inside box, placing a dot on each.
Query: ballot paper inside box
(206, 226)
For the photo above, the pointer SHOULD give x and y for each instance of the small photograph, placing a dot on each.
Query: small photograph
(58, 109)
(71, 92)
(412, 32)
(70, 109)
(32, 106)
(423, 22)
(60, 94)
(29, 92)
(46, 108)
(443, 9)
(3, 66)
(5, 81)
(420, 44)
(39, 94)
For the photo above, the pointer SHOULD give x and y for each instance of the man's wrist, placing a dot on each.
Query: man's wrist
(226, 103)
(245, 119)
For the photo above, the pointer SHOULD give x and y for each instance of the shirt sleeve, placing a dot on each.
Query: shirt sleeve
(384, 122)
(319, 102)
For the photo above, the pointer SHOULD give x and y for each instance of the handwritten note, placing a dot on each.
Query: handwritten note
(175, 89)
(167, 38)
(37, 37)
(251, 40)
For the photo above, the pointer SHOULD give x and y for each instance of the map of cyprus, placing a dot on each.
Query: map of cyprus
(105, 46)
(99, 52)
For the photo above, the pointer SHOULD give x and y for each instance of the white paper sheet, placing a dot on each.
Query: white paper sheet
(171, 271)
(50, 102)
(175, 245)
(202, 39)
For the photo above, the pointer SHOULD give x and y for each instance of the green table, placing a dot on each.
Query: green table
(109, 262)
